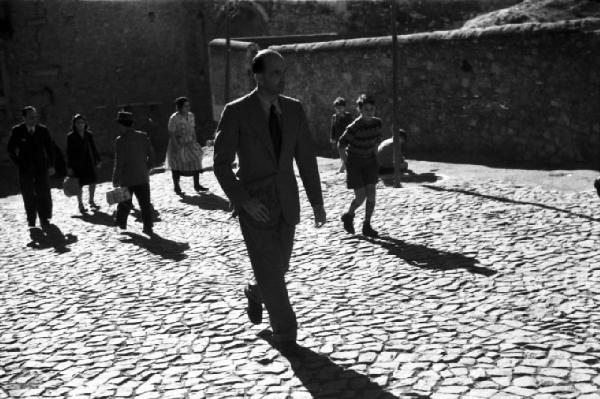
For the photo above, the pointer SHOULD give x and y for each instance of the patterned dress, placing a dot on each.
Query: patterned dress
(184, 153)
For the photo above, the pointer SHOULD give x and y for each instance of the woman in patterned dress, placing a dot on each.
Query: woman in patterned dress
(184, 153)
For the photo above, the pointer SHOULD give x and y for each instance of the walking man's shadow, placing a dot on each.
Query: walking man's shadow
(325, 379)
(50, 237)
(97, 217)
(207, 201)
(429, 258)
(158, 245)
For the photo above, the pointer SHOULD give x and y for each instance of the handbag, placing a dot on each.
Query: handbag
(71, 186)
(118, 195)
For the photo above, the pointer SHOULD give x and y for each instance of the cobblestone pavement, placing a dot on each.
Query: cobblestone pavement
(477, 289)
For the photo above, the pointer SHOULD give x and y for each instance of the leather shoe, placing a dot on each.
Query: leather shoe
(254, 309)
(348, 220)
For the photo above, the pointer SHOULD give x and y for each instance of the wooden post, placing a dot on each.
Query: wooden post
(227, 52)
(397, 150)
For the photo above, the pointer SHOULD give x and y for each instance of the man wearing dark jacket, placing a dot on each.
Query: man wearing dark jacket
(31, 147)
(268, 131)
(133, 158)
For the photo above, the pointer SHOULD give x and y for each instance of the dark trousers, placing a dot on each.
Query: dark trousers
(142, 194)
(177, 176)
(270, 251)
(35, 188)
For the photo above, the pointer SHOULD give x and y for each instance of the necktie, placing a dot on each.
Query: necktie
(275, 131)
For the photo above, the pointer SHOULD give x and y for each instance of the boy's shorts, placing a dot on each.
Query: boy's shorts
(361, 171)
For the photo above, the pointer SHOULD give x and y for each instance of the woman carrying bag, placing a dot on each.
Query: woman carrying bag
(184, 153)
(82, 158)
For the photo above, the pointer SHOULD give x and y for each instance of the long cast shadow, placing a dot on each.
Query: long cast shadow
(207, 201)
(158, 245)
(428, 258)
(326, 380)
(408, 177)
(510, 201)
(96, 217)
(51, 237)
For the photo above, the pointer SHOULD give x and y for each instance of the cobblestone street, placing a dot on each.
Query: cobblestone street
(478, 288)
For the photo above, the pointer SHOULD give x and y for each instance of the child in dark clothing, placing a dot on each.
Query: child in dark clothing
(339, 121)
(360, 141)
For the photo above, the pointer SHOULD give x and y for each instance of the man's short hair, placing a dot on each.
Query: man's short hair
(27, 110)
(364, 99)
(258, 62)
(340, 101)
(180, 101)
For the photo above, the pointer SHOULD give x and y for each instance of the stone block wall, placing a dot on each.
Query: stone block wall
(515, 95)
(241, 78)
(359, 18)
(95, 57)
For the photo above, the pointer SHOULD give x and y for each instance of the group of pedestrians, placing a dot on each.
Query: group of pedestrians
(267, 132)
(32, 149)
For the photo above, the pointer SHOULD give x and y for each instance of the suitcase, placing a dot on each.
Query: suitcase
(117, 195)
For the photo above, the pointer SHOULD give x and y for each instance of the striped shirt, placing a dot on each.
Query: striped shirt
(362, 137)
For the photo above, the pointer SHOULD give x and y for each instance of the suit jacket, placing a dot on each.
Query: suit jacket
(133, 159)
(81, 152)
(33, 153)
(244, 130)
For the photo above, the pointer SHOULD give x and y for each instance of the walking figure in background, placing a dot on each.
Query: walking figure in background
(83, 158)
(184, 153)
(30, 146)
(268, 131)
(359, 142)
(133, 159)
(339, 122)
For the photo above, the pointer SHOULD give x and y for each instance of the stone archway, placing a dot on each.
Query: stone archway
(248, 19)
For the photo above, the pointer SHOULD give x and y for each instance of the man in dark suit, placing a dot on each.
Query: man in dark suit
(268, 131)
(133, 159)
(31, 147)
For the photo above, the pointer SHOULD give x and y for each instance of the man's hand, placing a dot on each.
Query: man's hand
(320, 216)
(98, 165)
(257, 210)
(51, 171)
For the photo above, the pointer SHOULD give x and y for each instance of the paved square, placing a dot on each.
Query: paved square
(477, 289)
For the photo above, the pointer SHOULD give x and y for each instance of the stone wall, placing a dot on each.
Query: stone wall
(359, 18)
(242, 81)
(519, 94)
(94, 57)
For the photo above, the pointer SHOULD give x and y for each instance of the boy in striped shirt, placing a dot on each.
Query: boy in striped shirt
(360, 141)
